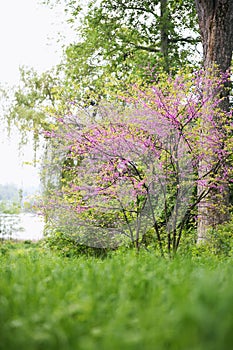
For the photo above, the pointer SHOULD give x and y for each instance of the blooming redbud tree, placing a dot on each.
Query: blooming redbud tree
(133, 168)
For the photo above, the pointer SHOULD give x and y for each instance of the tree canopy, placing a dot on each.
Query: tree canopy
(118, 42)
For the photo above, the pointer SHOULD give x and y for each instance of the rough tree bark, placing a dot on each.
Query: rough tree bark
(216, 28)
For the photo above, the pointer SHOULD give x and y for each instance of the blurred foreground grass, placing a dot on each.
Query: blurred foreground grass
(121, 302)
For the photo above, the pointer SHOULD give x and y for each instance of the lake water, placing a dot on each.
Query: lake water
(23, 226)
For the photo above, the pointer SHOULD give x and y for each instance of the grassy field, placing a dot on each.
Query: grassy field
(121, 302)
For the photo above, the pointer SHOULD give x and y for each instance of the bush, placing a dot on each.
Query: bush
(65, 245)
(221, 239)
(219, 242)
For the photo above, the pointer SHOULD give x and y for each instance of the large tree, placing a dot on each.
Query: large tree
(119, 40)
(216, 28)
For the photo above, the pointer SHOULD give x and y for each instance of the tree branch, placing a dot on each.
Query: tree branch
(189, 40)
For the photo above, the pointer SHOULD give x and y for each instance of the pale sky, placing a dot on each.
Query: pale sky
(28, 37)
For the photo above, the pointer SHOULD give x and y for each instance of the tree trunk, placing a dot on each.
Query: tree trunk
(216, 28)
(164, 33)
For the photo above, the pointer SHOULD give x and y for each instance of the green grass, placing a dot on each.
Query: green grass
(122, 302)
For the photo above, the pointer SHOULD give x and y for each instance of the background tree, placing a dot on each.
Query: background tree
(120, 40)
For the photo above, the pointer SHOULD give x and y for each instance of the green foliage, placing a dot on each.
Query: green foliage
(123, 302)
(219, 241)
(8, 247)
(120, 41)
(34, 94)
(65, 245)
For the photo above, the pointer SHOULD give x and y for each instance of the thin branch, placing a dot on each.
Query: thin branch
(188, 39)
